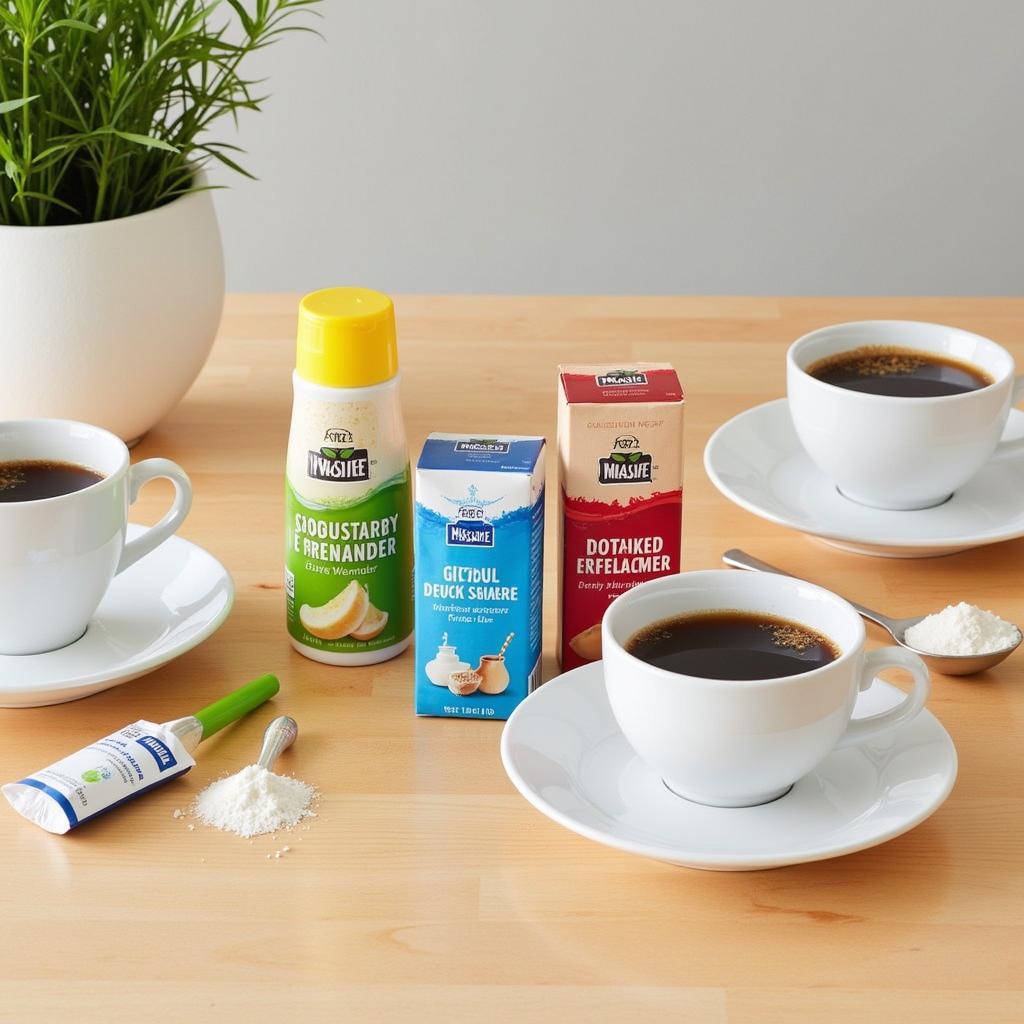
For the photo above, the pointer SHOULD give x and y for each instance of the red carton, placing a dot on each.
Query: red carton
(620, 459)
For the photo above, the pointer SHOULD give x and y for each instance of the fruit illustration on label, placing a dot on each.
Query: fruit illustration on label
(372, 625)
(339, 616)
(587, 643)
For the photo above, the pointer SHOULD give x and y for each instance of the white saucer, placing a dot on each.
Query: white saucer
(164, 605)
(564, 752)
(757, 461)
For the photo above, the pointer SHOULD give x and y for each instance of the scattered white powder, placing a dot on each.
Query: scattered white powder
(962, 629)
(254, 801)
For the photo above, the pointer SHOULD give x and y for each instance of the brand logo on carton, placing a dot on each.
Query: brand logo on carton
(338, 458)
(470, 528)
(620, 378)
(625, 467)
(486, 445)
(164, 758)
(469, 532)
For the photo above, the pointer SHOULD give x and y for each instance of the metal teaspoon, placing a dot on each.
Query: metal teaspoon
(947, 664)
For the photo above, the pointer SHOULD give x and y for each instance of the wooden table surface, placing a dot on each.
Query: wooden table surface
(427, 889)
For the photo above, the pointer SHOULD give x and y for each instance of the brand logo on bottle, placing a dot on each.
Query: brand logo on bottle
(470, 528)
(620, 378)
(483, 444)
(626, 464)
(339, 459)
(164, 758)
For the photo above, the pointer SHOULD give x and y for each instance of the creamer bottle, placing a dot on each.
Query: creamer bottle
(348, 563)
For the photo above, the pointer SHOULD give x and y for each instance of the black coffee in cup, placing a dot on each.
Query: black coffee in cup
(32, 479)
(899, 372)
(732, 645)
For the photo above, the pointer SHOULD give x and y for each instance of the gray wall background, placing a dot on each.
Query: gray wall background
(639, 146)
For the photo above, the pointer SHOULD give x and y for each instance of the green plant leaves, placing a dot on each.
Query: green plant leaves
(618, 457)
(217, 151)
(121, 101)
(149, 141)
(84, 26)
(6, 106)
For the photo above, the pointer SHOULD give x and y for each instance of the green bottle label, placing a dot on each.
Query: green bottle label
(348, 575)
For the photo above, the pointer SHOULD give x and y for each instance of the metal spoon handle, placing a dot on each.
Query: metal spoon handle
(279, 736)
(741, 560)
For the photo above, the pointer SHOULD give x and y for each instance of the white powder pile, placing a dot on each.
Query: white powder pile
(254, 801)
(962, 629)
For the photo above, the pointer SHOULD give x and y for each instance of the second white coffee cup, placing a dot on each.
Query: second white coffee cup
(736, 743)
(896, 452)
(59, 554)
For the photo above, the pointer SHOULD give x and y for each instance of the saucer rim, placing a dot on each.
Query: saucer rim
(955, 543)
(705, 861)
(130, 668)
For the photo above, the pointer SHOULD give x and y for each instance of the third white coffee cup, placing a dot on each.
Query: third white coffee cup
(896, 452)
(736, 743)
(59, 554)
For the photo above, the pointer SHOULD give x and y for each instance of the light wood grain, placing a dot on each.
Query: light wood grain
(427, 890)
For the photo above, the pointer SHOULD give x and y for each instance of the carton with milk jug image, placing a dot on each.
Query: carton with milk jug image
(479, 538)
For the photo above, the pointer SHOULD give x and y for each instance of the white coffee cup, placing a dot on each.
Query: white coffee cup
(901, 453)
(58, 555)
(738, 743)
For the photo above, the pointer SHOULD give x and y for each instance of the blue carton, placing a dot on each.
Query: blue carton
(479, 538)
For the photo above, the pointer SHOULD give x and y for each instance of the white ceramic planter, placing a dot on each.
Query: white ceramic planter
(109, 323)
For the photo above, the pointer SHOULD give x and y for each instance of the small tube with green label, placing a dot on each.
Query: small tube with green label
(127, 763)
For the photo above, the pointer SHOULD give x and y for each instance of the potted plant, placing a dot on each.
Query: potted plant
(111, 272)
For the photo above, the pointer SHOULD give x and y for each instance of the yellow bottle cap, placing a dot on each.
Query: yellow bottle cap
(346, 338)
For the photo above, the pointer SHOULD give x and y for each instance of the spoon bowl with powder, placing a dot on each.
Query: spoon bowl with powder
(255, 801)
(960, 640)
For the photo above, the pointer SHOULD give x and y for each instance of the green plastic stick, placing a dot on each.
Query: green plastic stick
(236, 704)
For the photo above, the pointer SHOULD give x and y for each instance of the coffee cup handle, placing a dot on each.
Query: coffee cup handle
(138, 476)
(861, 730)
(1017, 444)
